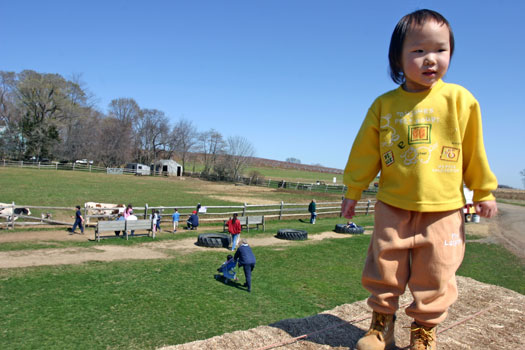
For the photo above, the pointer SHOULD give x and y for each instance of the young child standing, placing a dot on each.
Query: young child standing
(175, 217)
(425, 138)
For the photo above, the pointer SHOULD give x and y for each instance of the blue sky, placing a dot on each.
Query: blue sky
(295, 77)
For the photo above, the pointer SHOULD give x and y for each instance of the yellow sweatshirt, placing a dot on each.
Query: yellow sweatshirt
(425, 145)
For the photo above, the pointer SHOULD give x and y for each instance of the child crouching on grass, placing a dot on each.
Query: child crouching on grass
(425, 138)
(227, 269)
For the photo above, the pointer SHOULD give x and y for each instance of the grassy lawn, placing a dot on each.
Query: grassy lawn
(145, 304)
(150, 303)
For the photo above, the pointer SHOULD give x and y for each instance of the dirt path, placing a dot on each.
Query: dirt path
(506, 229)
(153, 250)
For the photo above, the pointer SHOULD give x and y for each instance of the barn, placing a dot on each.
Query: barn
(167, 167)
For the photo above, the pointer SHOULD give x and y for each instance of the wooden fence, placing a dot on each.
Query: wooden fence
(45, 215)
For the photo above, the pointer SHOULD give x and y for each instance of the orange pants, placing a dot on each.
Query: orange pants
(419, 249)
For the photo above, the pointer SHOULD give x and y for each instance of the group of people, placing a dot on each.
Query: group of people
(244, 258)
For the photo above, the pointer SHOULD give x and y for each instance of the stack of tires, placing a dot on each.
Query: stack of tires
(293, 235)
(342, 228)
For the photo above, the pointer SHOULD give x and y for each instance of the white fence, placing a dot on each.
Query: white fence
(42, 215)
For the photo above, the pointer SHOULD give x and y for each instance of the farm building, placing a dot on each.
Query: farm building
(138, 169)
(167, 167)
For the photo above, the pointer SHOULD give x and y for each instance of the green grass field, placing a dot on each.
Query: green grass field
(149, 303)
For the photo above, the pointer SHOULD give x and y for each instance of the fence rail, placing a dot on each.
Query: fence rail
(52, 215)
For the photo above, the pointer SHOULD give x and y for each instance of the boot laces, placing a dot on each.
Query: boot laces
(379, 324)
(426, 336)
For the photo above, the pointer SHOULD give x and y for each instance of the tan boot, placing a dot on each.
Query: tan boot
(380, 336)
(422, 338)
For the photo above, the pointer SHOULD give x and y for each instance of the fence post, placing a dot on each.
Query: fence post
(146, 211)
(73, 168)
(13, 215)
(86, 215)
(38, 165)
(341, 212)
(89, 167)
(269, 182)
(281, 211)
(244, 209)
(56, 166)
(368, 207)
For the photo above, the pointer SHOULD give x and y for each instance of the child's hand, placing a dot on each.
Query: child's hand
(348, 208)
(486, 209)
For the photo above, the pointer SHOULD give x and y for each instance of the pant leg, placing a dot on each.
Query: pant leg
(387, 265)
(438, 253)
(81, 225)
(248, 274)
(75, 224)
(235, 238)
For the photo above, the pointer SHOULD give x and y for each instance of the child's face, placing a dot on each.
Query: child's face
(425, 55)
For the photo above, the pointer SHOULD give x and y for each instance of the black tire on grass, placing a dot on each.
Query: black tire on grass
(213, 240)
(342, 228)
(293, 235)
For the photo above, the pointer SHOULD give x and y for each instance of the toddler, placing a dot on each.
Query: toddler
(425, 139)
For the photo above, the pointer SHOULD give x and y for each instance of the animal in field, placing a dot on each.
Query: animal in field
(6, 211)
(105, 209)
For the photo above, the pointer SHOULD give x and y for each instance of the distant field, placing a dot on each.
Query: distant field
(296, 175)
(291, 175)
(35, 187)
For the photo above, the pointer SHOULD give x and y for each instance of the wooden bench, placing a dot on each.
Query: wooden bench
(246, 221)
(123, 226)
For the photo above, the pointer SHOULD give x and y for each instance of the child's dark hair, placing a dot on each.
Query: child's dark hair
(404, 25)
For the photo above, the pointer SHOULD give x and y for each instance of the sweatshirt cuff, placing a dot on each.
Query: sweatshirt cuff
(353, 193)
(481, 196)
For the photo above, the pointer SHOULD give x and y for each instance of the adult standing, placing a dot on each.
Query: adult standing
(79, 221)
(245, 258)
(312, 208)
(234, 228)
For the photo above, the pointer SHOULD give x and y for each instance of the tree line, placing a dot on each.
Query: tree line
(48, 116)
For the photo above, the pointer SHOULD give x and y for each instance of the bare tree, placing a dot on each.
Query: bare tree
(239, 151)
(11, 144)
(126, 112)
(211, 145)
(112, 145)
(183, 138)
(152, 134)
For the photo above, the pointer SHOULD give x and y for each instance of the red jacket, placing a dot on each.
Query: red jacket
(234, 228)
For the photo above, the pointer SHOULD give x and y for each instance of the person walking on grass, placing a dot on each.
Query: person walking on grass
(245, 258)
(79, 221)
(312, 208)
(175, 217)
(234, 228)
(426, 140)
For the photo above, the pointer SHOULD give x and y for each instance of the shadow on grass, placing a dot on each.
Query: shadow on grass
(230, 283)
